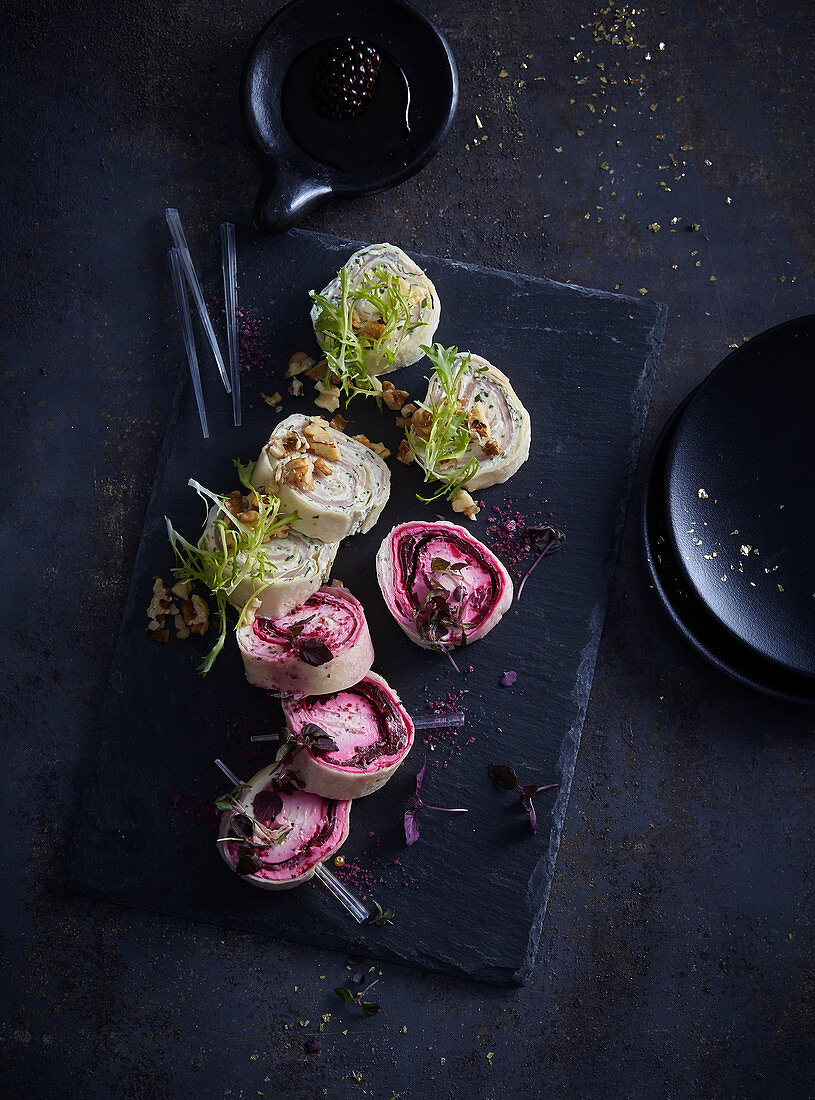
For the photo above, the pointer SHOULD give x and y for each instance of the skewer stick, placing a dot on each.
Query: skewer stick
(180, 241)
(229, 263)
(357, 908)
(183, 307)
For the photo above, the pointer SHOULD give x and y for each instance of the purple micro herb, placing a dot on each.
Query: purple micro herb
(266, 806)
(508, 679)
(313, 652)
(411, 818)
(507, 780)
(313, 1046)
(548, 540)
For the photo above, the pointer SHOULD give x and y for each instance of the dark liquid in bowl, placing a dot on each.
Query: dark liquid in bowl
(361, 144)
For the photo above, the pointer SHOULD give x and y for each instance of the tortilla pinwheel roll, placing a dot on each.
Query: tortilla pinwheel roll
(486, 408)
(443, 587)
(388, 303)
(286, 571)
(320, 647)
(336, 485)
(275, 835)
(347, 744)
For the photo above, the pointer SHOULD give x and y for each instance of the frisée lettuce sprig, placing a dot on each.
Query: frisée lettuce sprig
(347, 349)
(236, 550)
(442, 453)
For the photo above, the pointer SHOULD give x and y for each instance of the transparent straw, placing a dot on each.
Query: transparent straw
(439, 721)
(229, 264)
(180, 241)
(189, 340)
(358, 910)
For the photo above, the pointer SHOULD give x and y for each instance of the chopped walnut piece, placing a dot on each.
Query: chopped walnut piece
(162, 598)
(378, 448)
(249, 517)
(181, 628)
(161, 635)
(327, 398)
(409, 409)
(371, 330)
(275, 448)
(421, 423)
(392, 397)
(318, 371)
(195, 613)
(299, 472)
(292, 441)
(338, 423)
(464, 503)
(298, 363)
(182, 589)
(272, 400)
(234, 502)
(320, 440)
(321, 467)
(296, 387)
(490, 448)
(404, 454)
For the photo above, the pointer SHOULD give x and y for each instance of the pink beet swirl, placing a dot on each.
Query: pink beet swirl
(442, 586)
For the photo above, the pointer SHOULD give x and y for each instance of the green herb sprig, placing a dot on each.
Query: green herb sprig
(238, 552)
(347, 352)
(441, 455)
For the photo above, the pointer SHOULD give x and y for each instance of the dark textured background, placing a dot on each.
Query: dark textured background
(677, 954)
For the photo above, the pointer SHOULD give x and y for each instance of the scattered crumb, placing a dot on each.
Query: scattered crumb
(275, 398)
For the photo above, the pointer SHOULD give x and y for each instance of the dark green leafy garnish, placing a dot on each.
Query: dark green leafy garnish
(411, 815)
(367, 1007)
(504, 776)
(380, 916)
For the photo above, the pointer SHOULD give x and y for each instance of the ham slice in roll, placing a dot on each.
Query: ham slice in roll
(349, 743)
(294, 567)
(275, 835)
(320, 647)
(386, 300)
(443, 587)
(336, 485)
(496, 420)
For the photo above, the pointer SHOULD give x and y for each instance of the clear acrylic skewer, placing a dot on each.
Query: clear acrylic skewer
(229, 263)
(189, 340)
(358, 910)
(425, 722)
(180, 241)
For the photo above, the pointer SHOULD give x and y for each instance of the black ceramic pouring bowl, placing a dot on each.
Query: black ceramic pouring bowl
(296, 180)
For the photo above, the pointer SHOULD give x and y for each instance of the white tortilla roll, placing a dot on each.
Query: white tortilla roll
(280, 834)
(336, 485)
(321, 647)
(400, 344)
(297, 567)
(497, 421)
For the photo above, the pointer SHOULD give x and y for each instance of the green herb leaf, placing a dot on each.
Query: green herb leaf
(443, 454)
(346, 994)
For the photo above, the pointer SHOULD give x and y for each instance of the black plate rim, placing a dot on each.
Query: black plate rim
(726, 364)
(651, 504)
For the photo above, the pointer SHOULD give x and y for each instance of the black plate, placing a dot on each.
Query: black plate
(740, 495)
(416, 57)
(692, 617)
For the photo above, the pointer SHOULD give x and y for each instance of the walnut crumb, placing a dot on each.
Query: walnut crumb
(161, 635)
(462, 502)
(296, 387)
(182, 589)
(299, 473)
(181, 628)
(338, 423)
(321, 467)
(318, 371)
(328, 397)
(272, 399)
(392, 397)
(299, 362)
(320, 440)
(195, 613)
(404, 454)
(490, 448)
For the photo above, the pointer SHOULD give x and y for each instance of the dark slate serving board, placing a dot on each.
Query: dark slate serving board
(470, 894)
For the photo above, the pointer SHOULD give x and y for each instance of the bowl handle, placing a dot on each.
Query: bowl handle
(286, 197)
